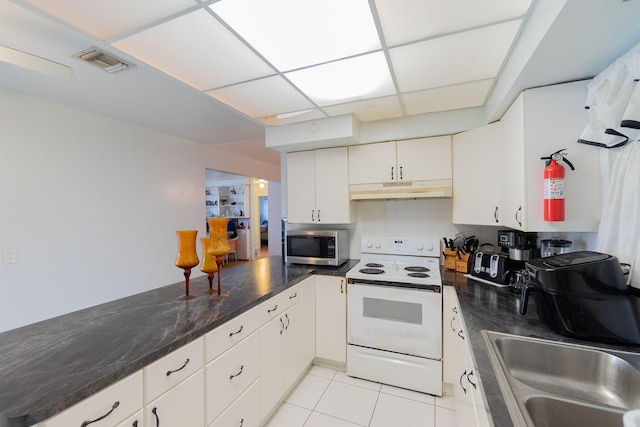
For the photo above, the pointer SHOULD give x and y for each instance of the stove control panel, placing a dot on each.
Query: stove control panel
(418, 246)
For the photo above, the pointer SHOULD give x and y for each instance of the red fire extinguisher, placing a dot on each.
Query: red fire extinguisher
(554, 186)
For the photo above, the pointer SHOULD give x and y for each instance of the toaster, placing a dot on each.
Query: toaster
(492, 266)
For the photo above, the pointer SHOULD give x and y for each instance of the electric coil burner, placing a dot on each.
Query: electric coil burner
(394, 313)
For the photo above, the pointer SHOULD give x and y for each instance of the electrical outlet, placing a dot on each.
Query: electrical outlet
(9, 256)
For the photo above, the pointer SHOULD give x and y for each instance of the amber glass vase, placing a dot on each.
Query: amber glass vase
(187, 256)
(218, 246)
(208, 264)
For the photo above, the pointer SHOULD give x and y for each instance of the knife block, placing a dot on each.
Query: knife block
(463, 263)
(450, 258)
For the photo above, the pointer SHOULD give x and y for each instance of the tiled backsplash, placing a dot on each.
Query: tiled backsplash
(431, 217)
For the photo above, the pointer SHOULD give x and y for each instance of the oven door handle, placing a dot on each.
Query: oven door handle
(426, 287)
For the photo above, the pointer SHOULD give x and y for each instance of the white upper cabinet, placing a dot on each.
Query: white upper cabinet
(397, 161)
(318, 187)
(477, 175)
(540, 122)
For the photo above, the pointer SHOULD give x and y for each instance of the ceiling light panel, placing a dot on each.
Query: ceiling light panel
(404, 21)
(348, 80)
(463, 57)
(292, 33)
(105, 19)
(196, 49)
(264, 97)
(465, 95)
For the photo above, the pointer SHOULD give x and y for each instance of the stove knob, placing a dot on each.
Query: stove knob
(378, 245)
(369, 244)
(420, 247)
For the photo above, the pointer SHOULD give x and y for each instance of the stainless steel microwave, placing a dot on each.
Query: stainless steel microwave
(316, 247)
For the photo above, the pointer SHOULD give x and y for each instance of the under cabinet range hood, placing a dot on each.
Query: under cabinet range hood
(442, 188)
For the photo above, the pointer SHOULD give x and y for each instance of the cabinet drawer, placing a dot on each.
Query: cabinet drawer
(127, 393)
(274, 306)
(244, 412)
(133, 421)
(165, 373)
(226, 336)
(230, 374)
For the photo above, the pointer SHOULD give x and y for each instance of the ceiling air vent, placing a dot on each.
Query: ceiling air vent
(99, 58)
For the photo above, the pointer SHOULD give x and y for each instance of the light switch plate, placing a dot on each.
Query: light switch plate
(9, 256)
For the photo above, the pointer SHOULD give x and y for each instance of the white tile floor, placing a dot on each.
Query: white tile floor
(326, 397)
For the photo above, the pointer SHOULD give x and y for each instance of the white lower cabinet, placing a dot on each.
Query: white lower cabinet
(229, 375)
(280, 357)
(459, 368)
(182, 405)
(308, 320)
(107, 408)
(331, 318)
(135, 420)
(244, 412)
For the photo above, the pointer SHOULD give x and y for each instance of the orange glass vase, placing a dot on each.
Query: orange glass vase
(218, 246)
(208, 265)
(187, 256)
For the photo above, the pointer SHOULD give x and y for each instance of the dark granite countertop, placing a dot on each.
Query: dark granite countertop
(487, 307)
(48, 366)
(326, 270)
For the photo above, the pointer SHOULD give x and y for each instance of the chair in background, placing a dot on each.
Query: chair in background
(233, 244)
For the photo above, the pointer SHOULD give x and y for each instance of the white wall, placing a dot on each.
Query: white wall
(91, 205)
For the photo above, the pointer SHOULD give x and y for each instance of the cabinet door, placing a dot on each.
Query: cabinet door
(183, 405)
(372, 163)
(292, 346)
(271, 365)
(301, 184)
(244, 412)
(331, 318)
(512, 205)
(477, 175)
(424, 159)
(332, 186)
(308, 321)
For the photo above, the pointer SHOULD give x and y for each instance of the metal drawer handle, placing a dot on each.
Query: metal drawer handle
(293, 296)
(273, 309)
(113, 408)
(451, 324)
(470, 374)
(241, 422)
(401, 173)
(342, 286)
(135, 424)
(464, 374)
(236, 332)
(154, 411)
(281, 326)
(186, 362)
(286, 316)
(461, 334)
(233, 376)
(495, 215)
(318, 215)
(455, 310)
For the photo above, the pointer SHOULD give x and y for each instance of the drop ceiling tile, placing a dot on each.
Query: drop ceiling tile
(292, 34)
(105, 19)
(463, 57)
(344, 81)
(264, 97)
(384, 108)
(465, 95)
(198, 50)
(409, 20)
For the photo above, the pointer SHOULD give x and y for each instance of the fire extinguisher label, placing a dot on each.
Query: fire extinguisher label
(554, 188)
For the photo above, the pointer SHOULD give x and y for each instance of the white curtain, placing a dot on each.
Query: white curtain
(619, 232)
(614, 121)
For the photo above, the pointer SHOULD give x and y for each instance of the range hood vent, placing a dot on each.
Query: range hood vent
(442, 188)
(99, 58)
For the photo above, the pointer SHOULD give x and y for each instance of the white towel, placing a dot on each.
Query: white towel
(619, 232)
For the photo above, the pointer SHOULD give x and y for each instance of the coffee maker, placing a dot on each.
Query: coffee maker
(521, 247)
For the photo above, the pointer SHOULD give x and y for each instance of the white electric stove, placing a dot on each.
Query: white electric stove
(394, 313)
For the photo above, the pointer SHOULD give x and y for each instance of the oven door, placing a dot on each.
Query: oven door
(391, 317)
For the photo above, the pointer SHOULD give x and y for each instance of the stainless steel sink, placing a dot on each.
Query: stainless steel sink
(556, 384)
